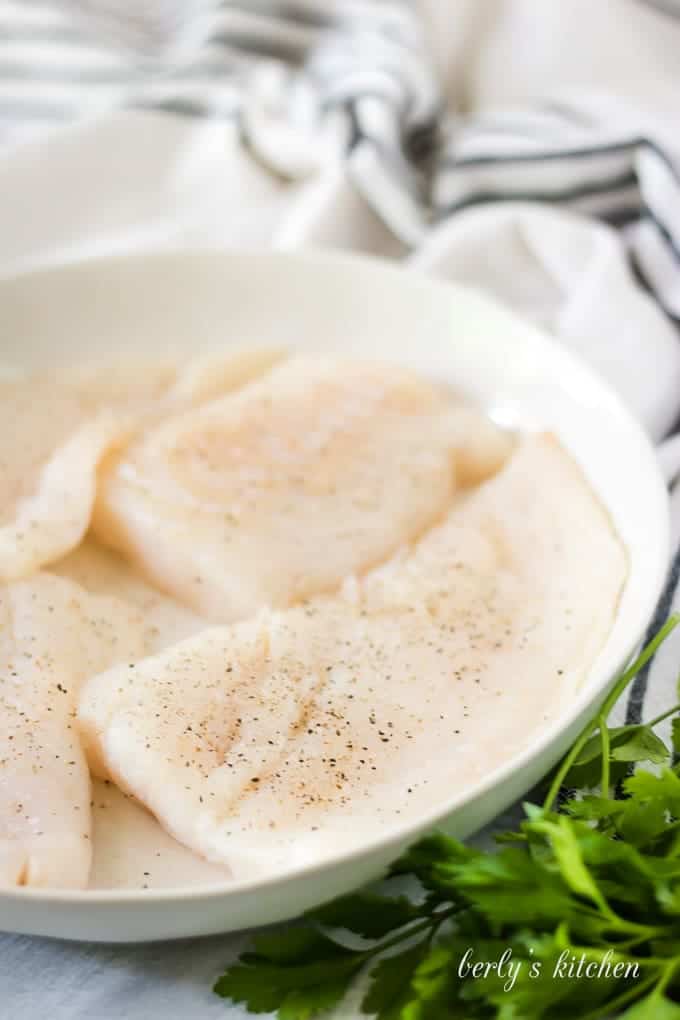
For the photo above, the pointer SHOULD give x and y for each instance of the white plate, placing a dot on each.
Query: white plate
(197, 301)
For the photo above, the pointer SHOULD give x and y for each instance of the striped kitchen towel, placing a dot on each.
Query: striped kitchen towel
(532, 149)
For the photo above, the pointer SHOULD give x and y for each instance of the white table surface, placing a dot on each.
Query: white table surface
(45, 979)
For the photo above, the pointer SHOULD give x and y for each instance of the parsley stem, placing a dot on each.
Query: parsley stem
(433, 921)
(617, 690)
(604, 739)
(668, 974)
(603, 911)
(664, 715)
(646, 931)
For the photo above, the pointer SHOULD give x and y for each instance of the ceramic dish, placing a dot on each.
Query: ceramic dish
(189, 302)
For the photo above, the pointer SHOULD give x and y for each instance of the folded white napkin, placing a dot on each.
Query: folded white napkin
(530, 149)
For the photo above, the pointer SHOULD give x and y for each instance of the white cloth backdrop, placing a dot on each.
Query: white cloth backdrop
(530, 148)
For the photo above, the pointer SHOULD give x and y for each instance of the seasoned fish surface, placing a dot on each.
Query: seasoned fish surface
(321, 469)
(53, 635)
(273, 742)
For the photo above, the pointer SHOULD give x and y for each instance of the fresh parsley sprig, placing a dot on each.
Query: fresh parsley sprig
(579, 909)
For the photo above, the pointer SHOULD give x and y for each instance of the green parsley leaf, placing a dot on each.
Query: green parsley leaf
(391, 990)
(302, 944)
(592, 808)
(508, 887)
(628, 744)
(664, 786)
(435, 987)
(653, 1007)
(423, 859)
(367, 914)
(563, 837)
(298, 973)
(640, 745)
(310, 1002)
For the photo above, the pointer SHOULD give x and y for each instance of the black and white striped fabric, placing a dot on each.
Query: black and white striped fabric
(531, 149)
(367, 58)
(551, 155)
(364, 68)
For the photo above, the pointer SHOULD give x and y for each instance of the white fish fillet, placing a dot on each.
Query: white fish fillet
(55, 431)
(274, 742)
(101, 571)
(51, 440)
(166, 384)
(322, 468)
(53, 635)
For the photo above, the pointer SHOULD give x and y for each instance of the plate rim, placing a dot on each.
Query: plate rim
(584, 701)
